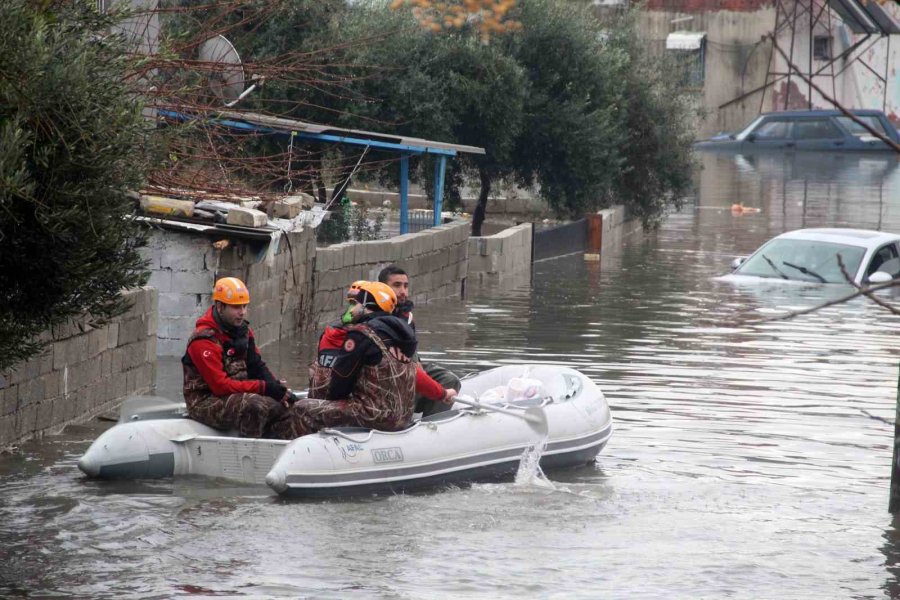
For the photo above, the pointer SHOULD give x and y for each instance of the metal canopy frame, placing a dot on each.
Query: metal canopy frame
(864, 18)
(402, 145)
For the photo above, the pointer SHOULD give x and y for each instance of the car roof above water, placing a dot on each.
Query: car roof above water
(856, 237)
(860, 112)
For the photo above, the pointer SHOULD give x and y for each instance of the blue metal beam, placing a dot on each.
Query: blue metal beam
(440, 167)
(404, 194)
(321, 137)
(318, 137)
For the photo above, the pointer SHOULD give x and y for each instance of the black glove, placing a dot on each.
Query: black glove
(274, 389)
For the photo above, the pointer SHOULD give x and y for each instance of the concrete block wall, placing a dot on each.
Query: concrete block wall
(435, 259)
(616, 226)
(184, 266)
(279, 276)
(500, 256)
(83, 372)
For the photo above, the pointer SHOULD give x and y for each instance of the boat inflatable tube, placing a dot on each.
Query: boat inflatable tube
(459, 446)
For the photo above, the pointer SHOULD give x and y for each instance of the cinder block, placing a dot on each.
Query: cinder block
(26, 417)
(112, 334)
(161, 280)
(131, 330)
(24, 371)
(44, 417)
(479, 264)
(118, 360)
(185, 253)
(179, 304)
(246, 217)
(105, 363)
(82, 374)
(170, 347)
(76, 349)
(143, 378)
(287, 208)
(8, 430)
(119, 385)
(181, 327)
(191, 282)
(9, 400)
(152, 324)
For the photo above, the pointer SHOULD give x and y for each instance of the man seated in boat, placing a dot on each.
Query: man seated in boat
(371, 380)
(226, 383)
(332, 340)
(427, 404)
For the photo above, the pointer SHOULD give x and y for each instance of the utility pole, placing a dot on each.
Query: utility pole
(894, 502)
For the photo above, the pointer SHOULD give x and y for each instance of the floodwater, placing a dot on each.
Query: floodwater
(750, 460)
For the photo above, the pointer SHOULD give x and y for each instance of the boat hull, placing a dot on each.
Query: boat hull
(452, 448)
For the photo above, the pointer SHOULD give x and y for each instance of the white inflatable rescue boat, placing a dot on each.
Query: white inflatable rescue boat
(521, 405)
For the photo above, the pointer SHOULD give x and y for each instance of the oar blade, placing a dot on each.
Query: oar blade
(536, 418)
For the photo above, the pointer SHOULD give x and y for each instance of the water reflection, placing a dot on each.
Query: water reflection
(749, 460)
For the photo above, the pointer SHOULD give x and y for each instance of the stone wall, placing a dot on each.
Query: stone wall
(506, 256)
(435, 260)
(502, 255)
(82, 372)
(278, 271)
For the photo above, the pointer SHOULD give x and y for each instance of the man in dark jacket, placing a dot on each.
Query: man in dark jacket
(428, 402)
(226, 383)
(371, 380)
(332, 341)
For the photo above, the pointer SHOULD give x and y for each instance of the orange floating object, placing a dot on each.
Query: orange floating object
(740, 209)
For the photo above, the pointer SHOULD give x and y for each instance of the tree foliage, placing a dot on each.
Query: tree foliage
(72, 143)
(575, 110)
(563, 103)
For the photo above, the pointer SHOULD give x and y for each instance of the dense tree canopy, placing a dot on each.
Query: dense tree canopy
(72, 143)
(568, 104)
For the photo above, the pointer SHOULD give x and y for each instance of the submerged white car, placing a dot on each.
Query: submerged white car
(811, 256)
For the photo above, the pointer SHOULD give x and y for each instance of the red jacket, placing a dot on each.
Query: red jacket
(207, 358)
(332, 341)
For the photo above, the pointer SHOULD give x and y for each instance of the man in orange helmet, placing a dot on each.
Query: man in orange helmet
(226, 383)
(370, 381)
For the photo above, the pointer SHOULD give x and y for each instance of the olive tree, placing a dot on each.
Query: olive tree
(72, 144)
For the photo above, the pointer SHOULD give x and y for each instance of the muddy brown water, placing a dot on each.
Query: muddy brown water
(748, 460)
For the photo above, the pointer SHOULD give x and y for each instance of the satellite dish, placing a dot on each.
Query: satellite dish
(226, 74)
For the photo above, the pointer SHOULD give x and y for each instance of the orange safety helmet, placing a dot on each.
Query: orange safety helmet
(377, 296)
(231, 290)
(354, 288)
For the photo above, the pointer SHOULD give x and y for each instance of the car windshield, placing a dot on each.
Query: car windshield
(857, 129)
(803, 260)
(746, 130)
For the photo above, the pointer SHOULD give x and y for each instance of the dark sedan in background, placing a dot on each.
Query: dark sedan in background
(815, 130)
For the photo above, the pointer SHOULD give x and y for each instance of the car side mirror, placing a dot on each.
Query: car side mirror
(751, 137)
(880, 277)
(737, 262)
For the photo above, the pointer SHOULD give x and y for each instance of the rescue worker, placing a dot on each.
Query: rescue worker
(371, 382)
(428, 402)
(332, 340)
(226, 383)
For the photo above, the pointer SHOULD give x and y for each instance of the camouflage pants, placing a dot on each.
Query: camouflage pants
(250, 414)
(447, 380)
(309, 415)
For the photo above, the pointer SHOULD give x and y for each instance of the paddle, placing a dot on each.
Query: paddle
(534, 415)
